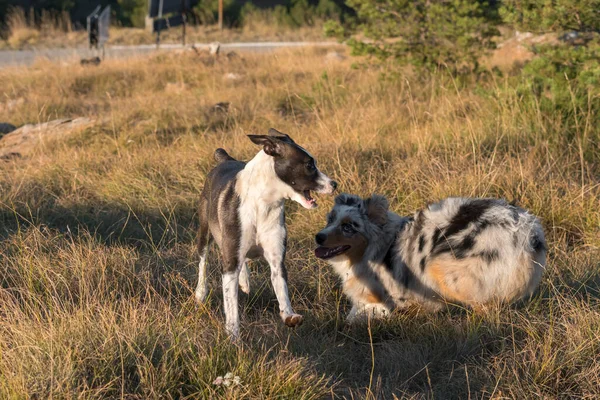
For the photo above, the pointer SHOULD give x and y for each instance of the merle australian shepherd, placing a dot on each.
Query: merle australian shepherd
(459, 250)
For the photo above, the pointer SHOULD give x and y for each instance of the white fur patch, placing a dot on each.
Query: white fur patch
(202, 287)
(230, 301)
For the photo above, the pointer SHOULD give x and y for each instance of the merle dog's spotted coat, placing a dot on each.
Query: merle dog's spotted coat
(468, 251)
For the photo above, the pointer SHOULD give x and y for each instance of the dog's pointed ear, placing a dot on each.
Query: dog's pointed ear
(280, 135)
(271, 145)
(346, 199)
(376, 208)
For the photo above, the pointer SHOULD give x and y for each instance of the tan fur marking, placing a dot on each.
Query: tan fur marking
(463, 290)
(354, 285)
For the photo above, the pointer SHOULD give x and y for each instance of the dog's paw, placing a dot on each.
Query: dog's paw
(293, 320)
(244, 284)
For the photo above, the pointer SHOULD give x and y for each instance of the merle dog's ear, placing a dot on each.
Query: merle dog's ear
(271, 145)
(346, 199)
(376, 208)
(280, 135)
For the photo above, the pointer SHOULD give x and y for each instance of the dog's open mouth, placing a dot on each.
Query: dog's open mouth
(309, 199)
(330, 252)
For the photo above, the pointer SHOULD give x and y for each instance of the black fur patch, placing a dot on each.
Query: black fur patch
(435, 239)
(538, 244)
(407, 276)
(515, 213)
(421, 243)
(462, 250)
(490, 256)
(388, 260)
(347, 200)
(422, 264)
(467, 214)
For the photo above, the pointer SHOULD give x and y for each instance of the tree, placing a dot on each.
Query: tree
(552, 15)
(422, 33)
(564, 77)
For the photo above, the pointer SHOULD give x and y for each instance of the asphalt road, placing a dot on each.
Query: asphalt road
(27, 57)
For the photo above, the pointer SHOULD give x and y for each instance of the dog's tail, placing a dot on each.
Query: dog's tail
(222, 156)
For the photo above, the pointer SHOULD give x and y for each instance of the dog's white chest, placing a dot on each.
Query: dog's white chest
(259, 220)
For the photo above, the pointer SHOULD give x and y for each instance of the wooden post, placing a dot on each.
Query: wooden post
(160, 8)
(184, 20)
(221, 15)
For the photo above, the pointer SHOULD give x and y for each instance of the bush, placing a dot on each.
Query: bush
(132, 12)
(563, 79)
(421, 33)
(552, 15)
(298, 13)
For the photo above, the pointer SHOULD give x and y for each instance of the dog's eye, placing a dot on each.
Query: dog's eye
(310, 166)
(347, 228)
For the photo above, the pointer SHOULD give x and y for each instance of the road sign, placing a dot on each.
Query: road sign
(158, 8)
(160, 24)
(103, 25)
(97, 27)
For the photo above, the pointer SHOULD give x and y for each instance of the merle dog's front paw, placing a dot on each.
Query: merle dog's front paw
(293, 320)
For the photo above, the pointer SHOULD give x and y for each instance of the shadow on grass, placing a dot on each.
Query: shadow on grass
(108, 223)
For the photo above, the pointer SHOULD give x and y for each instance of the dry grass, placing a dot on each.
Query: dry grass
(97, 234)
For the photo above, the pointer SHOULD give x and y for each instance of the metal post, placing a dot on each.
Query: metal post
(221, 15)
(160, 8)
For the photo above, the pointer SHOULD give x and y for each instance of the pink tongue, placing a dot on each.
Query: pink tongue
(321, 252)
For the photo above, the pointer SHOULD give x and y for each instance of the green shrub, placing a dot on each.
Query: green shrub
(552, 15)
(424, 34)
(564, 84)
(132, 12)
(563, 79)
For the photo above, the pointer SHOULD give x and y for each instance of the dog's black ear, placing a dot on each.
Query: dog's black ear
(271, 145)
(280, 135)
(376, 208)
(346, 199)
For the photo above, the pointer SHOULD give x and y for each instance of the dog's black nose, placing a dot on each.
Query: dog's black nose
(320, 238)
(334, 185)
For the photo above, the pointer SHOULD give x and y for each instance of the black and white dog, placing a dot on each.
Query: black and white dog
(459, 250)
(242, 208)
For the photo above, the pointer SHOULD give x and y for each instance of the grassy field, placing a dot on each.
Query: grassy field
(97, 233)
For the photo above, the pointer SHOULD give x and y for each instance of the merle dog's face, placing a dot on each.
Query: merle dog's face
(295, 167)
(349, 227)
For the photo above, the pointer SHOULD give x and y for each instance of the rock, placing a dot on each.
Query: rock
(91, 61)
(523, 35)
(219, 108)
(24, 140)
(214, 48)
(232, 76)
(232, 56)
(334, 56)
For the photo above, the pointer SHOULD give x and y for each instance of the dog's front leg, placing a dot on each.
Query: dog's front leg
(274, 247)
